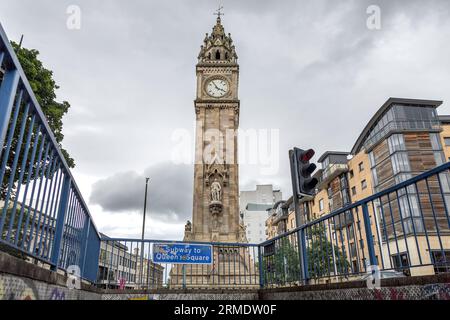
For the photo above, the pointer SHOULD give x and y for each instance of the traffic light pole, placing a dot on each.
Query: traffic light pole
(301, 240)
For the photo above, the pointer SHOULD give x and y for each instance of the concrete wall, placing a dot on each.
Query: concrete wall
(407, 288)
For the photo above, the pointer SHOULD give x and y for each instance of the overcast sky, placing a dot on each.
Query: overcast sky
(310, 70)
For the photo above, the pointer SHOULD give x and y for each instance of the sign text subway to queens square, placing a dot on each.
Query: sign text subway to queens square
(182, 253)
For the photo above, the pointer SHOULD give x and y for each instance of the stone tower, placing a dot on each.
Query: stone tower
(216, 181)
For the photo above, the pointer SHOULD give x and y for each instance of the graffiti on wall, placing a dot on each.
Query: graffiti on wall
(437, 291)
(13, 288)
(57, 294)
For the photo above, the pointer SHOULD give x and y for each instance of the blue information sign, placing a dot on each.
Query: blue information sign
(184, 253)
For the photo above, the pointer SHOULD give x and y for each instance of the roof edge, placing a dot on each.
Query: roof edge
(383, 108)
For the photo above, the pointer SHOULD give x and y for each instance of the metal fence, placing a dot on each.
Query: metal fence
(42, 213)
(129, 264)
(401, 231)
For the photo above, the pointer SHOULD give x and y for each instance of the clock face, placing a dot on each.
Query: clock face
(217, 88)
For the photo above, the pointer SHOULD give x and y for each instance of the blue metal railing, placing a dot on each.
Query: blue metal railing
(42, 212)
(403, 231)
(128, 264)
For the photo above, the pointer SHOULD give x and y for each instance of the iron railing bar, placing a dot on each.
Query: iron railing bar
(413, 220)
(55, 197)
(405, 236)
(35, 214)
(434, 217)
(12, 127)
(13, 174)
(41, 213)
(393, 225)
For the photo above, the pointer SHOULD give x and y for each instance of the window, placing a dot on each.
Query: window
(351, 233)
(345, 196)
(400, 162)
(363, 184)
(372, 159)
(325, 163)
(447, 141)
(441, 261)
(353, 191)
(401, 262)
(351, 174)
(321, 204)
(396, 142)
(439, 157)
(355, 266)
(361, 166)
(353, 250)
(435, 141)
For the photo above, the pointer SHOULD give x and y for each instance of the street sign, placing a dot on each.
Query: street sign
(182, 253)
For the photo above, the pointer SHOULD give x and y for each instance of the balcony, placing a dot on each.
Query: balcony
(331, 172)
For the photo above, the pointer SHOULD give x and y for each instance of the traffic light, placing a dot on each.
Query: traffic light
(301, 170)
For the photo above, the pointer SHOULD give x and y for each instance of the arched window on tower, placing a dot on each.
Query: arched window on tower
(217, 55)
(209, 56)
(226, 55)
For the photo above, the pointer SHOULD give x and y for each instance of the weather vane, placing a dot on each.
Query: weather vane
(218, 14)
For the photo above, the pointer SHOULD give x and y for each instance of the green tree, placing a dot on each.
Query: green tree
(323, 255)
(283, 266)
(44, 88)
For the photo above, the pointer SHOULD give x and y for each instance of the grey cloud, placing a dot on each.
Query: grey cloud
(169, 191)
(311, 69)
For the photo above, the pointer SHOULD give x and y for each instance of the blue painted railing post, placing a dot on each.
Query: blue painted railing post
(261, 267)
(59, 229)
(303, 255)
(87, 227)
(8, 91)
(369, 236)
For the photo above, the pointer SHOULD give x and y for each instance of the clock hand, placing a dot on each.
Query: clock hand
(218, 88)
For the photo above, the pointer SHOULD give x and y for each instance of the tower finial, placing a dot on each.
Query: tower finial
(219, 13)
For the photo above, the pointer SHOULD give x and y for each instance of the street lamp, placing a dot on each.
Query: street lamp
(145, 207)
(143, 231)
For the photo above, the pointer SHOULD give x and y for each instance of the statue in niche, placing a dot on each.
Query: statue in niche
(216, 190)
(188, 226)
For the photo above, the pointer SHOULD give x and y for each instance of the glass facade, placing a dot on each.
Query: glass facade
(393, 161)
(402, 117)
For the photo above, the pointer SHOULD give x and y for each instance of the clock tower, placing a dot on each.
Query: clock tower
(216, 182)
(215, 215)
